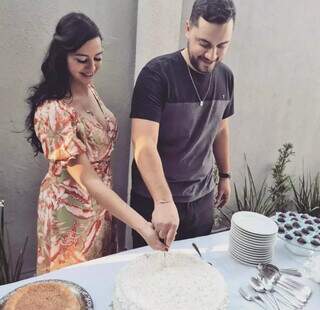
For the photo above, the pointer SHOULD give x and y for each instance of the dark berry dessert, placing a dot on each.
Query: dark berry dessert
(316, 237)
(305, 231)
(309, 222)
(315, 242)
(281, 219)
(288, 226)
(302, 240)
(287, 236)
(310, 228)
(296, 225)
(281, 230)
(297, 233)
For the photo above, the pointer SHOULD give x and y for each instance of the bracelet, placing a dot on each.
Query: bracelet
(223, 175)
(163, 201)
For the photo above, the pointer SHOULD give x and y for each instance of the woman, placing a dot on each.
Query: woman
(69, 123)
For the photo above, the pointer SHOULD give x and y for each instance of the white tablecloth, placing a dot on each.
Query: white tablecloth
(98, 276)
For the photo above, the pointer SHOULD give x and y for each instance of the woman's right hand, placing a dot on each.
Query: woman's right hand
(151, 237)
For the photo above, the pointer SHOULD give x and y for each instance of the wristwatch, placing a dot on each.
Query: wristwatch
(223, 175)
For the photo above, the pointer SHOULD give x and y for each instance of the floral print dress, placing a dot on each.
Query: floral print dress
(72, 227)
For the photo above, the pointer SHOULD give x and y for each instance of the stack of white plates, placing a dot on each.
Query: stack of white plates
(252, 238)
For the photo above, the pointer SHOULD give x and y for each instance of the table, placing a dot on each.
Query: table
(98, 276)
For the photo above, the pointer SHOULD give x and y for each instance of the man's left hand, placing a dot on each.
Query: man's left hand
(224, 191)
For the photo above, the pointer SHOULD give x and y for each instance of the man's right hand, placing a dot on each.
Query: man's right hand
(165, 220)
(151, 237)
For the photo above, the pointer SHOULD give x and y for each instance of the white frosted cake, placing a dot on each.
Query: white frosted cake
(170, 281)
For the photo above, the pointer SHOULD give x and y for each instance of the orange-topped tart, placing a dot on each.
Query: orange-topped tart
(46, 295)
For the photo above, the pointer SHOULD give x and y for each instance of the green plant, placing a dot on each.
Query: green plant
(253, 199)
(307, 194)
(9, 272)
(215, 175)
(281, 180)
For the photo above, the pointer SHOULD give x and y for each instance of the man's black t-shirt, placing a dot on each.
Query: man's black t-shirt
(164, 93)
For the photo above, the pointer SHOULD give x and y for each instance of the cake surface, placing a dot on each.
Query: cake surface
(49, 296)
(169, 281)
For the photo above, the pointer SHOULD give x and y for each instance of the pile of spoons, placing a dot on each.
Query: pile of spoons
(272, 288)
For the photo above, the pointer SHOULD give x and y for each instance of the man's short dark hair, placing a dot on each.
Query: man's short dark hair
(213, 11)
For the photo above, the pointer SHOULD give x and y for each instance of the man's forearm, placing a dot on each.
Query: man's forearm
(165, 218)
(150, 167)
(221, 149)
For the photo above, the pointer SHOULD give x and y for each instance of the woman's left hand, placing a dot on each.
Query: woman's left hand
(151, 237)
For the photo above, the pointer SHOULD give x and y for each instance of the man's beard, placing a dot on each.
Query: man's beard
(195, 62)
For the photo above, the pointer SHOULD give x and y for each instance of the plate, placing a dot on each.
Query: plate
(250, 254)
(298, 250)
(248, 261)
(293, 245)
(250, 251)
(252, 243)
(255, 223)
(82, 295)
(252, 235)
(252, 239)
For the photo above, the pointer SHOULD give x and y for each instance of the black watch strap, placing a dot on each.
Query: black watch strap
(224, 175)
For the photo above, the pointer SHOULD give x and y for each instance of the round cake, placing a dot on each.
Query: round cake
(49, 296)
(169, 281)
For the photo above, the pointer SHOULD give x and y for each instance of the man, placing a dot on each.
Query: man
(180, 109)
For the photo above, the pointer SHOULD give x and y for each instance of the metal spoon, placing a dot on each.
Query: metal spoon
(301, 292)
(272, 273)
(255, 298)
(290, 271)
(258, 287)
(269, 286)
(198, 251)
(306, 289)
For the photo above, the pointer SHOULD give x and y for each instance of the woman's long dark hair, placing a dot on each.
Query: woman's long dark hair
(72, 31)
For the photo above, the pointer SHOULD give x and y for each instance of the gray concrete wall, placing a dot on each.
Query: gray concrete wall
(274, 57)
(26, 27)
(158, 29)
